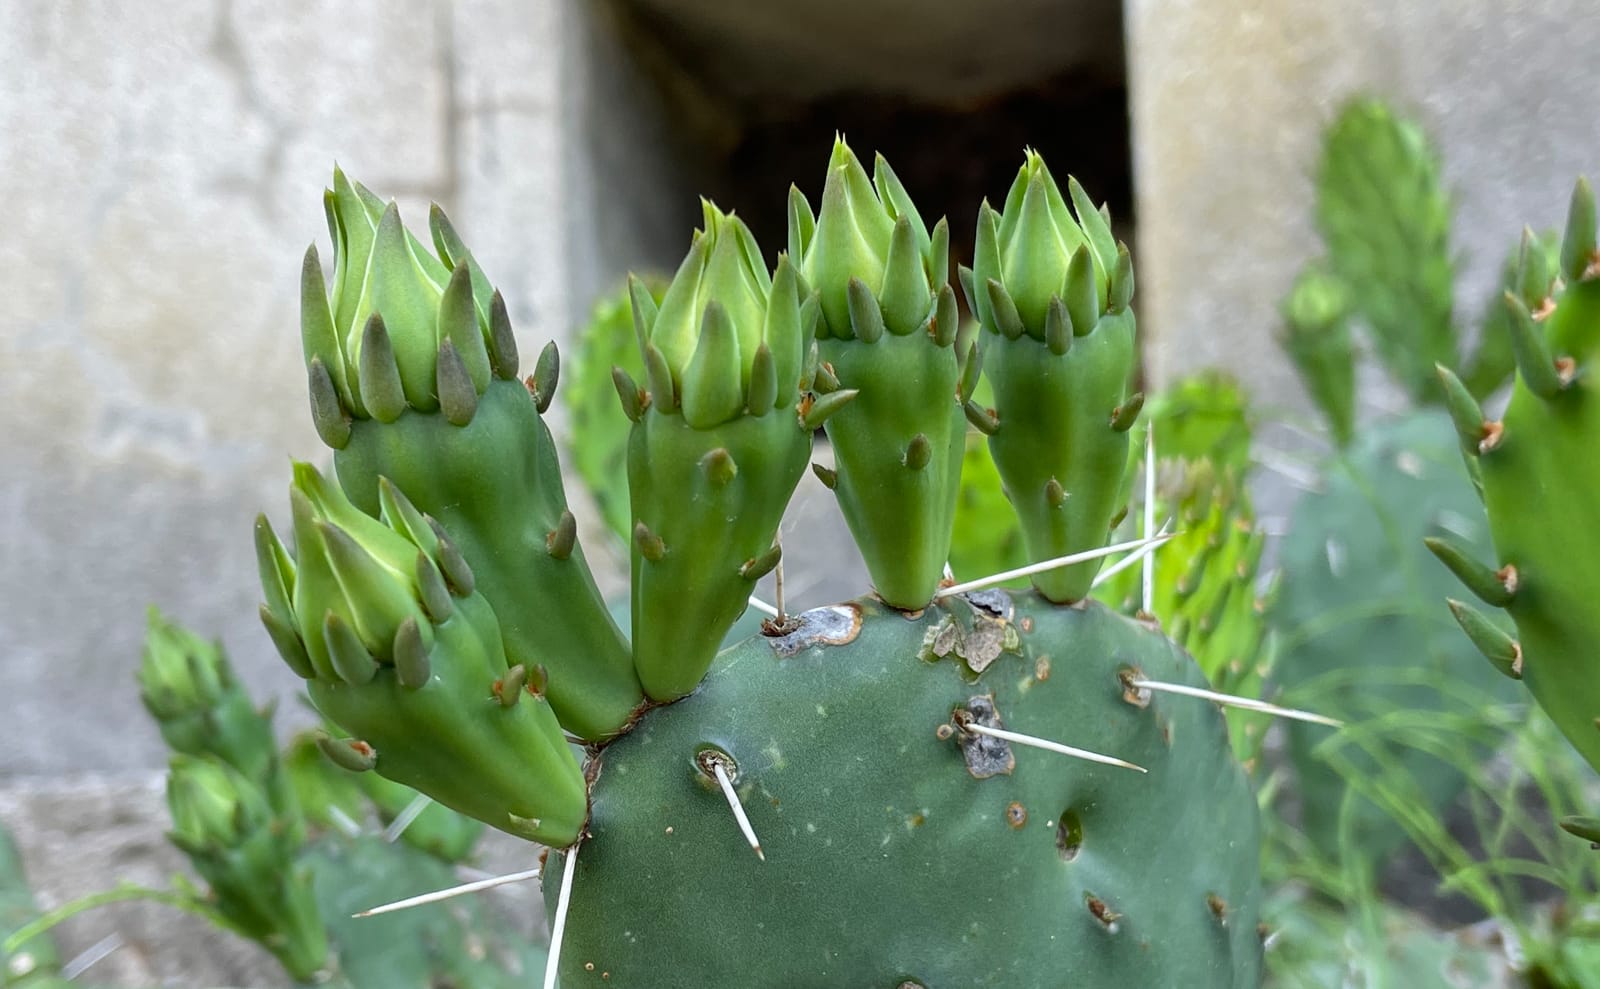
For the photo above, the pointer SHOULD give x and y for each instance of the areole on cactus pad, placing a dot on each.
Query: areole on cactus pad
(883, 755)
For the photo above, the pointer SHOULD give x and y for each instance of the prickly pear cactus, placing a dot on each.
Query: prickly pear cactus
(890, 331)
(1533, 466)
(245, 849)
(721, 438)
(1052, 291)
(917, 855)
(460, 943)
(383, 619)
(911, 836)
(412, 367)
(1362, 633)
(1383, 212)
(597, 442)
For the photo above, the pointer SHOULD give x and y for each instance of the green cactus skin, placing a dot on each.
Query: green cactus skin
(1205, 593)
(245, 851)
(1052, 296)
(382, 618)
(1358, 592)
(1317, 338)
(719, 443)
(413, 370)
(197, 701)
(1385, 217)
(438, 830)
(887, 862)
(464, 943)
(322, 786)
(986, 538)
(1537, 481)
(328, 795)
(597, 440)
(889, 330)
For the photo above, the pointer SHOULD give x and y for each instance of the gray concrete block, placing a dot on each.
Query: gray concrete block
(1228, 102)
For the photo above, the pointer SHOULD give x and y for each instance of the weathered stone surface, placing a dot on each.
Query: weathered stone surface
(163, 175)
(1228, 101)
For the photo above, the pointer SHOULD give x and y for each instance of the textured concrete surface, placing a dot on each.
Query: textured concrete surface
(1228, 98)
(163, 168)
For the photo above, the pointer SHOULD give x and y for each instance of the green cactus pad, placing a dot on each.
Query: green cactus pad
(383, 619)
(495, 484)
(889, 331)
(460, 944)
(1364, 631)
(717, 448)
(1052, 294)
(710, 526)
(888, 862)
(1385, 216)
(413, 377)
(1537, 467)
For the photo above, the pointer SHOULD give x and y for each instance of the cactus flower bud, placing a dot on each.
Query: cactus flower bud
(1052, 291)
(383, 618)
(1029, 248)
(869, 231)
(721, 311)
(712, 461)
(212, 805)
(190, 689)
(891, 334)
(399, 322)
(412, 367)
(225, 823)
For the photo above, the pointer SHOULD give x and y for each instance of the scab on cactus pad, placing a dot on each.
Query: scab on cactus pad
(715, 455)
(885, 856)
(413, 374)
(889, 330)
(1537, 470)
(1052, 292)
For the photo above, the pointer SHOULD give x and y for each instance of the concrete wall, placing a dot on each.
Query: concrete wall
(161, 166)
(1228, 101)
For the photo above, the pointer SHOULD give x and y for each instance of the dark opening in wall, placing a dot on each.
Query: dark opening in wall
(950, 91)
